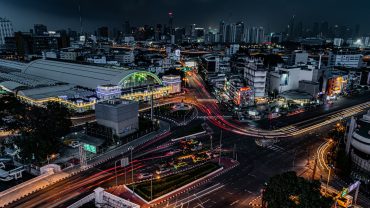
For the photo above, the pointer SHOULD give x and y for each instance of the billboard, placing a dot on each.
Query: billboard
(90, 148)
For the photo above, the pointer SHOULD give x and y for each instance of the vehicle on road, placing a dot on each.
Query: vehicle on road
(145, 176)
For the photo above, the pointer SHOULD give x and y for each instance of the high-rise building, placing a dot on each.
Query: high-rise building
(291, 28)
(179, 34)
(126, 28)
(231, 33)
(222, 31)
(170, 23)
(256, 35)
(103, 32)
(192, 30)
(324, 29)
(40, 29)
(6, 30)
(239, 32)
(316, 29)
(357, 31)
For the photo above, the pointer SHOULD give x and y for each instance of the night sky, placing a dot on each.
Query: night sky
(272, 14)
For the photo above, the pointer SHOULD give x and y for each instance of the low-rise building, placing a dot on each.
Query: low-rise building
(119, 115)
(174, 81)
(346, 59)
(358, 147)
(286, 78)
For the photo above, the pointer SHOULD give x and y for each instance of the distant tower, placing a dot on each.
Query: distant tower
(79, 12)
(170, 22)
(291, 27)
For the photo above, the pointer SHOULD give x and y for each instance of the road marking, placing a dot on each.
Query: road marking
(235, 202)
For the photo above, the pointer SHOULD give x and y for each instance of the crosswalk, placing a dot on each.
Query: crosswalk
(275, 148)
(295, 130)
(289, 129)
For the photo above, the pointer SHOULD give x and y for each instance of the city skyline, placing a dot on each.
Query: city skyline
(275, 17)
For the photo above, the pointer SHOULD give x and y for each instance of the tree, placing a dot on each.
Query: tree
(287, 190)
(41, 130)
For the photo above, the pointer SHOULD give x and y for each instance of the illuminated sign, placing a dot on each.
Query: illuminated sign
(90, 148)
(344, 192)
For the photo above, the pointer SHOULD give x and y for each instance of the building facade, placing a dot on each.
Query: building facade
(119, 115)
(6, 30)
(358, 147)
(173, 81)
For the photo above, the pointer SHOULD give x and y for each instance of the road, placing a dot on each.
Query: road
(238, 187)
(242, 184)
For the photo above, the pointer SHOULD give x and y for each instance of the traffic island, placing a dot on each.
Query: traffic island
(157, 190)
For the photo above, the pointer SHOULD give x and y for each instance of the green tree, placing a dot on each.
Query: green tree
(41, 131)
(287, 190)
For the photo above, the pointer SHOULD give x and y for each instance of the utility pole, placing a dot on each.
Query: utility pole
(219, 158)
(295, 152)
(327, 182)
(211, 142)
(151, 188)
(132, 169)
(234, 151)
(115, 171)
(314, 169)
(151, 106)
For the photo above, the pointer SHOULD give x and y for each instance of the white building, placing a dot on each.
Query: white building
(125, 57)
(299, 57)
(129, 39)
(255, 74)
(222, 64)
(174, 81)
(69, 54)
(288, 78)
(233, 49)
(338, 42)
(358, 147)
(346, 59)
(6, 30)
(108, 92)
(50, 54)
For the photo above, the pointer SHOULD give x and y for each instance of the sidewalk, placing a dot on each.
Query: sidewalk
(28, 187)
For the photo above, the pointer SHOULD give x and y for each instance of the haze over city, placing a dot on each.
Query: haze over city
(272, 14)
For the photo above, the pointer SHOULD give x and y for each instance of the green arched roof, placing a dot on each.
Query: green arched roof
(83, 75)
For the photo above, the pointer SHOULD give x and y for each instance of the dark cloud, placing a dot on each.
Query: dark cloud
(269, 13)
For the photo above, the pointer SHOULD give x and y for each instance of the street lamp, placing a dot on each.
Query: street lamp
(327, 182)
(132, 167)
(51, 157)
(115, 171)
(151, 188)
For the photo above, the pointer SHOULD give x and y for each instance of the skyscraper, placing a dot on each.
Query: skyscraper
(239, 33)
(291, 28)
(103, 32)
(40, 29)
(256, 35)
(6, 30)
(126, 28)
(222, 32)
(170, 22)
(324, 29)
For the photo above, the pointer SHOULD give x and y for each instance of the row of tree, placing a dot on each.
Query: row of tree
(287, 190)
(37, 130)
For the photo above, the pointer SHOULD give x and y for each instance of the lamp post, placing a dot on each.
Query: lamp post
(115, 170)
(327, 182)
(151, 188)
(132, 168)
